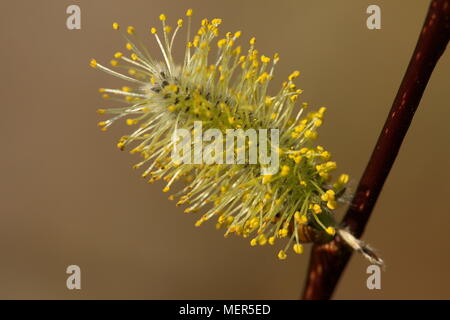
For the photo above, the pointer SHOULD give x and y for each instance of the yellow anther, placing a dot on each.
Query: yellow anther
(162, 17)
(266, 178)
(237, 51)
(331, 194)
(317, 122)
(331, 231)
(120, 145)
(134, 56)
(115, 26)
(304, 150)
(221, 43)
(101, 111)
(330, 165)
(171, 108)
(237, 34)
(262, 240)
(129, 46)
(343, 179)
(167, 29)
(105, 96)
(273, 116)
(180, 22)
(310, 134)
(221, 219)
(293, 98)
(271, 241)
(131, 122)
(327, 196)
(130, 30)
(93, 63)
(114, 62)
(299, 128)
(303, 219)
(325, 155)
(285, 170)
(198, 223)
(282, 233)
(101, 123)
(166, 189)
(216, 21)
(265, 59)
(189, 12)
(153, 30)
(253, 242)
(294, 75)
(282, 255)
(118, 55)
(252, 41)
(276, 57)
(316, 208)
(332, 204)
(298, 248)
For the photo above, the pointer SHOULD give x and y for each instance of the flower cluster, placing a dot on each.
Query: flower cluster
(227, 91)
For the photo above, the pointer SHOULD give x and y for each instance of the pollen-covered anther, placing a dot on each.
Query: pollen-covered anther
(285, 170)
(343, 178)
(332, 204)
(294, 75)
(282, 233)
(130, 30)
(317, 209)
(282, 255)
(331, 231)
(298, 248)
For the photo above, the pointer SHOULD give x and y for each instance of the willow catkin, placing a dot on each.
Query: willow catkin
(226, 89)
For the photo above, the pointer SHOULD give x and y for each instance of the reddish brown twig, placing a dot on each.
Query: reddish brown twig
(328, 261)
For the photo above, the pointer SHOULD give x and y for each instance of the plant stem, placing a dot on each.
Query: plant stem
(328, 261)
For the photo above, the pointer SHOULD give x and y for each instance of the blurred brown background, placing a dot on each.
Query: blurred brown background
(68, 196)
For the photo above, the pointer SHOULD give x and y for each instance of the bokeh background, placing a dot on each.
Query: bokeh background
(68, 196)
